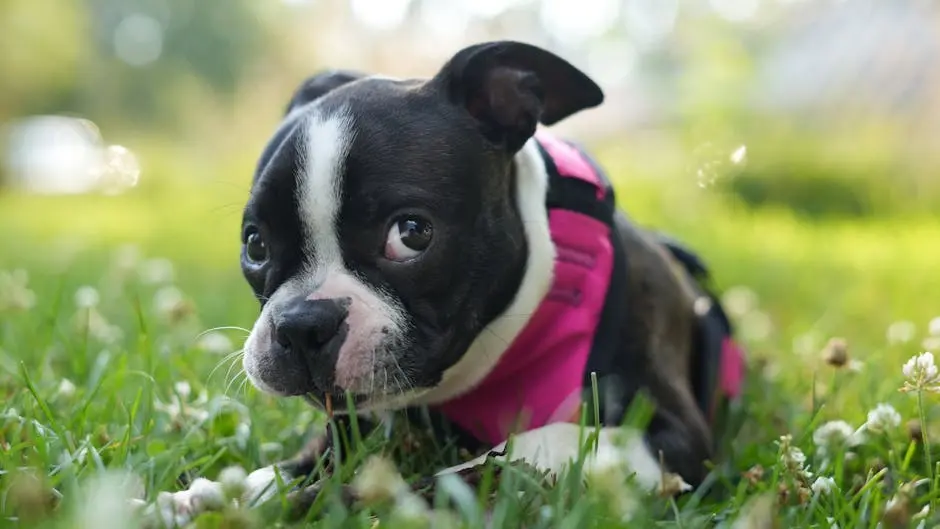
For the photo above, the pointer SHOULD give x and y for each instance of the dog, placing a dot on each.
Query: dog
(429, 244)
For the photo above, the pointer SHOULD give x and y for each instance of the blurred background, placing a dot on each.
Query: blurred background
(791, 142)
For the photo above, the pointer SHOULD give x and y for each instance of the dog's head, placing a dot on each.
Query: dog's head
(391, 221)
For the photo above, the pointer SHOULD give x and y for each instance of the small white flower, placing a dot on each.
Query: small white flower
(824, 485)
(755, 325)
(739, 300)
(167, 300)
(933, 328)
(15, 294)
(157, 272)
(233, 480)
(87, 297)
(378, 480)
(921, 373)
(883, 418)
(410, 508)
(793, 458)
(835, 435)
(216, 343)
(126, 258)
(931, 343)
(901, 332)
(183, 389)
(66, 388)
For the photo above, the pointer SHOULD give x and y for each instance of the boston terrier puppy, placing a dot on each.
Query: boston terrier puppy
(425, 243)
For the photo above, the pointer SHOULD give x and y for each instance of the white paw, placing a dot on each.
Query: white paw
(177, 509)
(553, 447)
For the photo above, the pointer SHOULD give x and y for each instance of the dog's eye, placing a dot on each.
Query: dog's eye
(408, 238)
(255, 248)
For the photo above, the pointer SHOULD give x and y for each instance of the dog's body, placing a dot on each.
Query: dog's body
(398, 237)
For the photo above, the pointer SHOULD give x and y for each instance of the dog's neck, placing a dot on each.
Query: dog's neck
(496, 338)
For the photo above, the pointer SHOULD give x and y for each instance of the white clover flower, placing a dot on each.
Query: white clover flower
(882, 418)
(378, 480)
(108, 501)
(835, 435)
(901, 332)
(933, 328)
(739, 300)
(157, 272)
(183, 389)
(87, 297)
(234, 481)
(931, 343)
(921, 373)
(66, 388)
(166, 300)
(793, 458)
(824, 485)
(216, 343)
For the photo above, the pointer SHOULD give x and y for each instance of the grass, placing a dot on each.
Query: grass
(86, 389)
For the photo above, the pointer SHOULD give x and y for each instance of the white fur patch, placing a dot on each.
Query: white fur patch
(554, 447)
(495, 339)
(374, 319)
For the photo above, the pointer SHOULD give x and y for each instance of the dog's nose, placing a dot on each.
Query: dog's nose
(306, 325)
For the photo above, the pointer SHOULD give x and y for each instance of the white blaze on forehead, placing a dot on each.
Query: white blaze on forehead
(327, 140)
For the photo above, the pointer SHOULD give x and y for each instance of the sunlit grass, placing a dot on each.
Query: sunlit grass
(160, 401)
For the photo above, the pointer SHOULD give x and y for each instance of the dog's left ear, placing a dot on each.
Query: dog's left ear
(509, 87)
(318, 85)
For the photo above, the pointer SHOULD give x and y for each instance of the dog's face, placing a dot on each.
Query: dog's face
(383, 232)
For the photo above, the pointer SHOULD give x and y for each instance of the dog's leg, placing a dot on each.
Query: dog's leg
(554, 447)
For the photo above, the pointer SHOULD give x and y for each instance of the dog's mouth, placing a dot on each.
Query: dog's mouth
(336, 401)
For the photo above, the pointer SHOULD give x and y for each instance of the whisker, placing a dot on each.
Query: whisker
(227, 358)
(223, 328)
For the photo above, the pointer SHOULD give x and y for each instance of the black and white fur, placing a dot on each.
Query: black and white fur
(354, 156)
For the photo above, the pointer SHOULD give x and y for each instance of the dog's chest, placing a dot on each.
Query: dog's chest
(539, 380)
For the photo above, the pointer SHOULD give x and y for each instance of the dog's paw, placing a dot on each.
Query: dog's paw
(178, 509)
(554, 447)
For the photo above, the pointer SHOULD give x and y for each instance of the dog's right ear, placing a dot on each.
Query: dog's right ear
(318, 85)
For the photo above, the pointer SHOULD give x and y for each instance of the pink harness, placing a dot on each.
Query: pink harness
(539, 380)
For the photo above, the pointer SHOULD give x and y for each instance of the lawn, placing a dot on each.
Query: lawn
(105, 364)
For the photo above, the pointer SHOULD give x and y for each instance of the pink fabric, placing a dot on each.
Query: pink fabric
(732, 368)
(569, 161)
(539, 379)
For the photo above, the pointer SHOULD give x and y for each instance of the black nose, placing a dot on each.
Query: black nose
(306, 325)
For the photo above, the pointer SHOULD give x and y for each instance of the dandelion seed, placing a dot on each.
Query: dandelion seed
(836, 352)
(216, 343)
(824, 485)
(835, 435)
(66, 388)
(921, 373)
(901, 332)
(883, 418)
